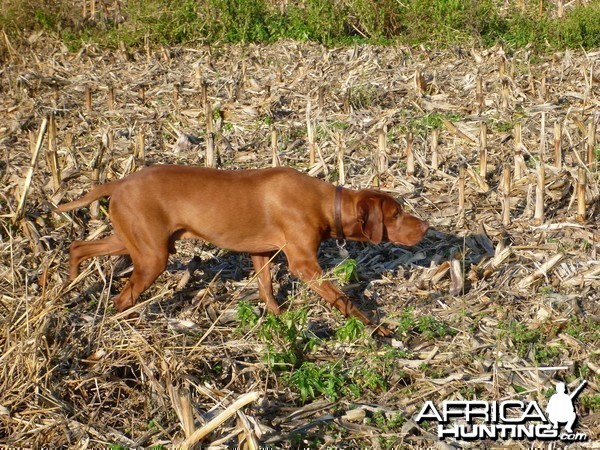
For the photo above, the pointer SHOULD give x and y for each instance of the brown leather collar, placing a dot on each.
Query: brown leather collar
(337, 214)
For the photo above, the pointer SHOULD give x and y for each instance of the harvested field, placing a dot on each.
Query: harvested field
(498, 151)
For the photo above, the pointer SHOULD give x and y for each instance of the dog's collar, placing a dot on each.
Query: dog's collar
(337, 214)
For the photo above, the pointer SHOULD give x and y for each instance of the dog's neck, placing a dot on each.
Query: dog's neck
(337, 214)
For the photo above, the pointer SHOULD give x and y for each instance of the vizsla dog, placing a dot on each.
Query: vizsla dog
(254, 211)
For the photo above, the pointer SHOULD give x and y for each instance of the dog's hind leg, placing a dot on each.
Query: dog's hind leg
(82, 250)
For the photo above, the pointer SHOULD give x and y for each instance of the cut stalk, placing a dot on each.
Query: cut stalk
(505, 94)
(591, 142)
(340, 158)
(111, 97)
(311, 135)
(479, 95)
(52, 154)
(410, 157)
(558, 145)
(210, 150)
(538, 217)
(434, 148)
(32, 165)
(483, 150)
(461, 191)
(581, 187)
(506, 187)
(518, 149)
(275, 161)
(88, 98)
(140, 151)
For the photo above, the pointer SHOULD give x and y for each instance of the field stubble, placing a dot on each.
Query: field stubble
(499, 301)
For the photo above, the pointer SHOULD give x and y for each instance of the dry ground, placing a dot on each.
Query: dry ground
(484, 310)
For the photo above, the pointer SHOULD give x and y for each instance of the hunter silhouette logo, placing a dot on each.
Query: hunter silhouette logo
(560, 407)
(507, 419)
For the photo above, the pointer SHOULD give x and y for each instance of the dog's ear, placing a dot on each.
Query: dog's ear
(370, 218)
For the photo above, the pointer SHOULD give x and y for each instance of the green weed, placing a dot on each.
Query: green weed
(422, 125)
(373, 372)
(582, 371)
(282, 359)
(504, 126)
(426, 326)
(364, 96)
(289, 348)
(246, 315)
(545, 290)
(431, 328)
(312, 380)
(385, 422)
(285, 339)
(584, 329)
(528, 341)
(469, 393)
(45, 19)
(285, 328)
(346, 271)
(432, 372)
(520, 389)
(369, 379)
(391, 425)
(339, 125)
(332, 380)
(406, 323)
(352, 330)
(591, 401)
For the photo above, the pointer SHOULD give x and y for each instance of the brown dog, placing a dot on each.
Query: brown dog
(254, 211)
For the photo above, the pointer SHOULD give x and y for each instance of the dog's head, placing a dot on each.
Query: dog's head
(381, 218)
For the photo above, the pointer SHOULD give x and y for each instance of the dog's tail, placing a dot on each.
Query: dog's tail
(104, 190)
